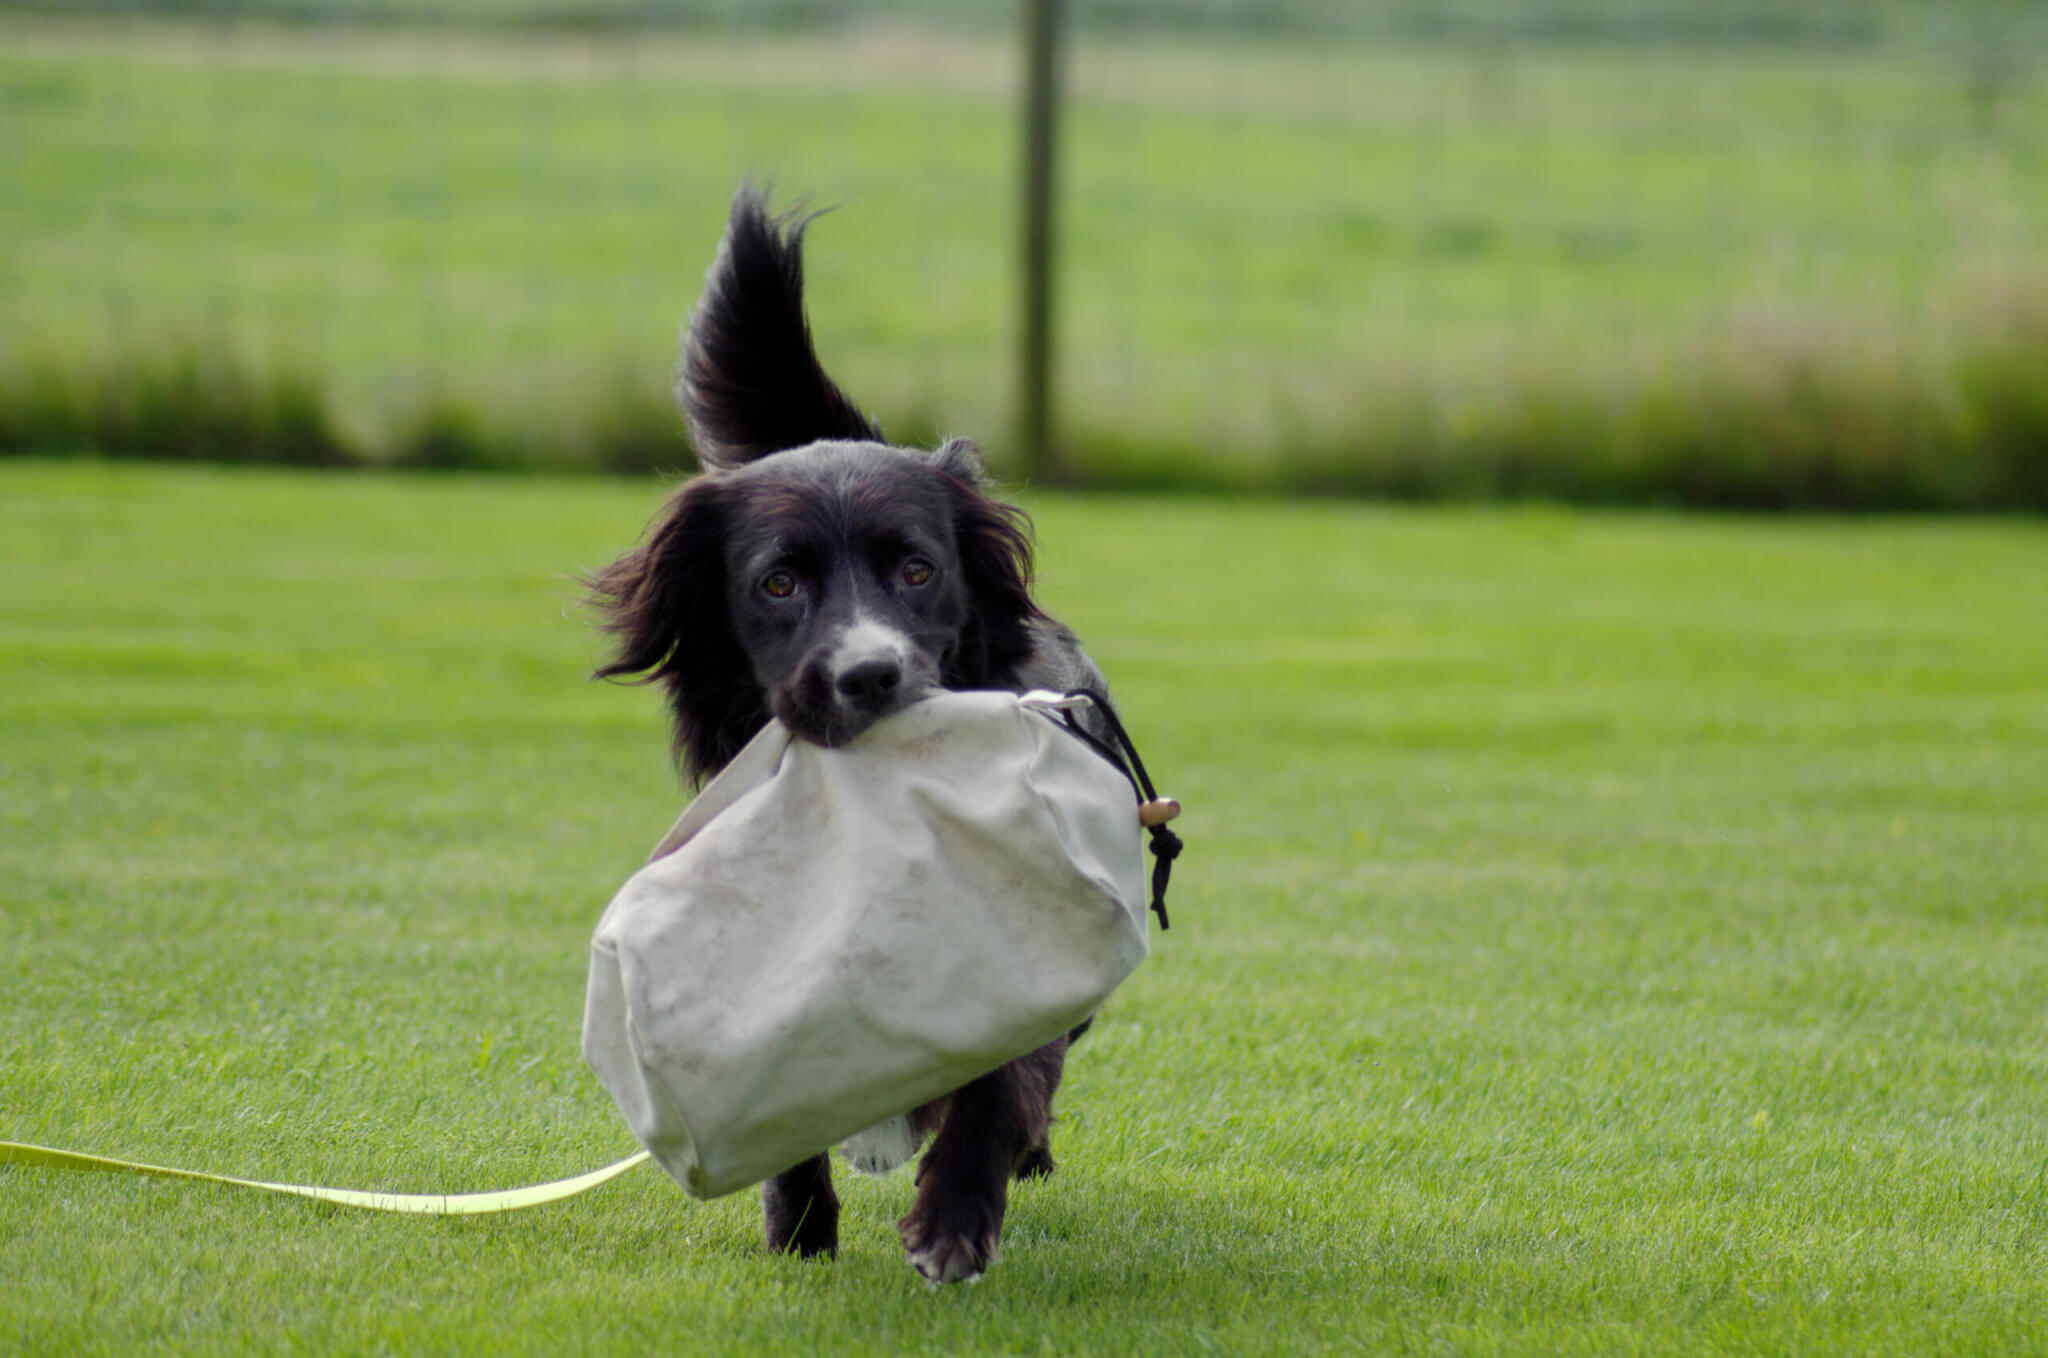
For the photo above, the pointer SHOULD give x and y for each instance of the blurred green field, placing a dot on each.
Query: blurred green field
(1343, 264)
(1599, 933)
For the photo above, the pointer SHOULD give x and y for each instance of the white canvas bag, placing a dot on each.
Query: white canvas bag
(832, 937)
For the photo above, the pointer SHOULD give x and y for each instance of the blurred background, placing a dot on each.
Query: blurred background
(1711, 252)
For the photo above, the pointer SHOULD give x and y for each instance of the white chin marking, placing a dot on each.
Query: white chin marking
(881, 1147)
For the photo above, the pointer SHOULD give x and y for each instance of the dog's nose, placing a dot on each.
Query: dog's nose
(870, 683)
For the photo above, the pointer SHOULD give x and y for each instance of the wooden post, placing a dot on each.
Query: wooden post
(1041, 109)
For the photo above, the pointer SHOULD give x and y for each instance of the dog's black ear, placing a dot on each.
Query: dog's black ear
(749, 383)
(665, 602)
(994, 543)
(961, 459)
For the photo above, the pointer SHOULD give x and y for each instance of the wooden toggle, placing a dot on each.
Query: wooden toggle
(1158, 811)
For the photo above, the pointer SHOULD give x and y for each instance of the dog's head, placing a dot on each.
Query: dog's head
(812, 572)
(828, 586)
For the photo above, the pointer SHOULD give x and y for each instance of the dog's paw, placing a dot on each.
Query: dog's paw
(801, 1212)
(953, 1243)
(1036, 1164)
(807, 1239)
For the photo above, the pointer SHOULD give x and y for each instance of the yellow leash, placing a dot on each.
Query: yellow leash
(434, 1204)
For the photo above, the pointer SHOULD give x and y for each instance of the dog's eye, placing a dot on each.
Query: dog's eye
(917, 571)
(778, 584)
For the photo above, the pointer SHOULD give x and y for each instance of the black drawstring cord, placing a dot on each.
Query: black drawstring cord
(1166, 845)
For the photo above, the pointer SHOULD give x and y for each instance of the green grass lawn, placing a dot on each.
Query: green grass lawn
(1599, 934)
(1267, 247)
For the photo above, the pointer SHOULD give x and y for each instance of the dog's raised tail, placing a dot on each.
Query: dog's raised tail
(749, 382)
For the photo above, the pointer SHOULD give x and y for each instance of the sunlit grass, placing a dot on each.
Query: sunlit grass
(1598, 933)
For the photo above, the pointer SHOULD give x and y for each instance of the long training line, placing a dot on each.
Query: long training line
(432, 1204)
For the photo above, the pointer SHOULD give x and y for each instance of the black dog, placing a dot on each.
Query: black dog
(817, 574)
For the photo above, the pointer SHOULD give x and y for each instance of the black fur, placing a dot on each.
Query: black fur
(750, 383)
(818, 574)
(802, 1209)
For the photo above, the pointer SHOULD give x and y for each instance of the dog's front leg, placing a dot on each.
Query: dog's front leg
(801, 1209)
(993, 1128)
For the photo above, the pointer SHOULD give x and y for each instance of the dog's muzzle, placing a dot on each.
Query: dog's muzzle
(871, 685)
(868, 673)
